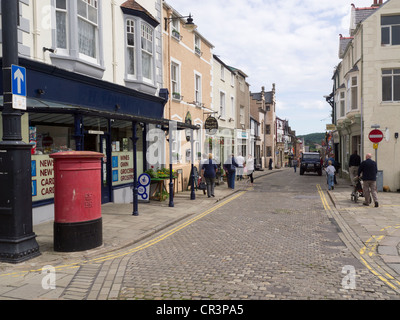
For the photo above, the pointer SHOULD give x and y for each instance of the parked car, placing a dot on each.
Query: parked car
(310, 162)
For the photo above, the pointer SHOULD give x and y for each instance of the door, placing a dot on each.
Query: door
(105, 169)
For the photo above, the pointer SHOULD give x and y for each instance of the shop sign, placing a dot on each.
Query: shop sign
(122, 167)
(211, 125)
(330, 127)
(42, 177)
(241, 134)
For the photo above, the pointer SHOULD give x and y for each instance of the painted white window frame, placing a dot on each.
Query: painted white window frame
(394, 72)
(130, 28)
(222, 104)
(198, 88)
(71, 58)
(176, 81)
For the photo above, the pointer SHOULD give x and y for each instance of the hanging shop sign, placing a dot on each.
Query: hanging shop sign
(211, 125)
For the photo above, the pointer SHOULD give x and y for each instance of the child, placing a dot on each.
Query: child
(330, 172)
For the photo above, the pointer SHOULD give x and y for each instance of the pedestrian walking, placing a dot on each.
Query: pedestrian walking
(334, 163)
(295, 162)
(330, 174)
(270, 164)
(230, 166)
(250, 168)
(240, 162)
(354, 163)
(209, 172)
(368, 169)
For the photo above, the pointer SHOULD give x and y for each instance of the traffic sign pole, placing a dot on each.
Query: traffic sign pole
(376, 136)
(17, 240)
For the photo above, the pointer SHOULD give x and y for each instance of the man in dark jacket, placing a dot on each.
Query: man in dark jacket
(368, 169)
(230, 166)
(354, 163)
(208, 171)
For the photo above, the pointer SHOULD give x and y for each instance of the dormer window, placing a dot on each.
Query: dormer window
(140, 57)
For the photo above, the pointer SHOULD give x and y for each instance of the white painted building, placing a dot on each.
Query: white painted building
(367, 88)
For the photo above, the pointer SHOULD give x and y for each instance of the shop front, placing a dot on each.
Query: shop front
(68, 111)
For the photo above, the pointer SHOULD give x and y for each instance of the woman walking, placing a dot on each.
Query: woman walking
(250, 167)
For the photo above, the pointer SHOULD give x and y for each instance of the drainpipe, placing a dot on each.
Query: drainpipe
(114, 62)
(35, 29)
(362, 94)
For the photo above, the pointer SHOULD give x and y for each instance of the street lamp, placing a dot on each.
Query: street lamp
(189, 25)
(172, 127)
(189, 137)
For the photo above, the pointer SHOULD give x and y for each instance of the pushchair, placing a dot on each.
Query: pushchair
(358, 190)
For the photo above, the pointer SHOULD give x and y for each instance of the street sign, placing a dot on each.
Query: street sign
(375, 136)
(18, 86)
(375, 145)
(18, 79)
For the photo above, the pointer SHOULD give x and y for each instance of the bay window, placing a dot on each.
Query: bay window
(61, 24)
(87, 27)
(147, 51)
(77, 36)
(130, 45)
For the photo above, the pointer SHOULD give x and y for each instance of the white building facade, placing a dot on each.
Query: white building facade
(367, 88)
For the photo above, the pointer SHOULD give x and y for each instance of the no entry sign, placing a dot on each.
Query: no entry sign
(375, 136)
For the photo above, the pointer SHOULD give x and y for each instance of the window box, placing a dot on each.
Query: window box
(176, 96)
(198, 51)
(175, 34)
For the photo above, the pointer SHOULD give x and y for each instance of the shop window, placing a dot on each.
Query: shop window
(49, 133)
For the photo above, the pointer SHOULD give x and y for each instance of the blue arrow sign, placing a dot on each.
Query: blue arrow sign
(18, 80)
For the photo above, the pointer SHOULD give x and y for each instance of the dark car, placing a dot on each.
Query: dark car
(310, 162)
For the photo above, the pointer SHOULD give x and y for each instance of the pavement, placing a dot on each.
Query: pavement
(120, 230)
(372, 234)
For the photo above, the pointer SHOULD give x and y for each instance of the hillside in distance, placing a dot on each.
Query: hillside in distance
(312, 139)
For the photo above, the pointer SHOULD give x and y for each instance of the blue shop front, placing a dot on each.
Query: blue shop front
(69, 111)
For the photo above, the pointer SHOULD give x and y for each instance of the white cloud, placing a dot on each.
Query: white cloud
(293, 43)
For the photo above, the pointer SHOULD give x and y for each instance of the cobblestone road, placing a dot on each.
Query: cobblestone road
(274, 241)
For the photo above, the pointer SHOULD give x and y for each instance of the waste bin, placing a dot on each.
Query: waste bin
(77, 200)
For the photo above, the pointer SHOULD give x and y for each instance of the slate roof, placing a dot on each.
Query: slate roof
(343, 43)
(134, 8)
(267, 96)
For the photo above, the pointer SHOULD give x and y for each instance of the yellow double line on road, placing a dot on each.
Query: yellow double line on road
(170, 232)
(323, 198)
(369, 249)
(140, 247)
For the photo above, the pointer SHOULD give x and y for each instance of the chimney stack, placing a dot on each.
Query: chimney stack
(376, 3)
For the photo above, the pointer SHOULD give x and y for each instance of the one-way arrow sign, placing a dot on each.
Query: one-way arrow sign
(18, 79)
(18, 84)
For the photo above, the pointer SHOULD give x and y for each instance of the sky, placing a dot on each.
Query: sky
(292, 43)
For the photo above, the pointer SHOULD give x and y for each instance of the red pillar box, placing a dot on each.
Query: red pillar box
(77, 200)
